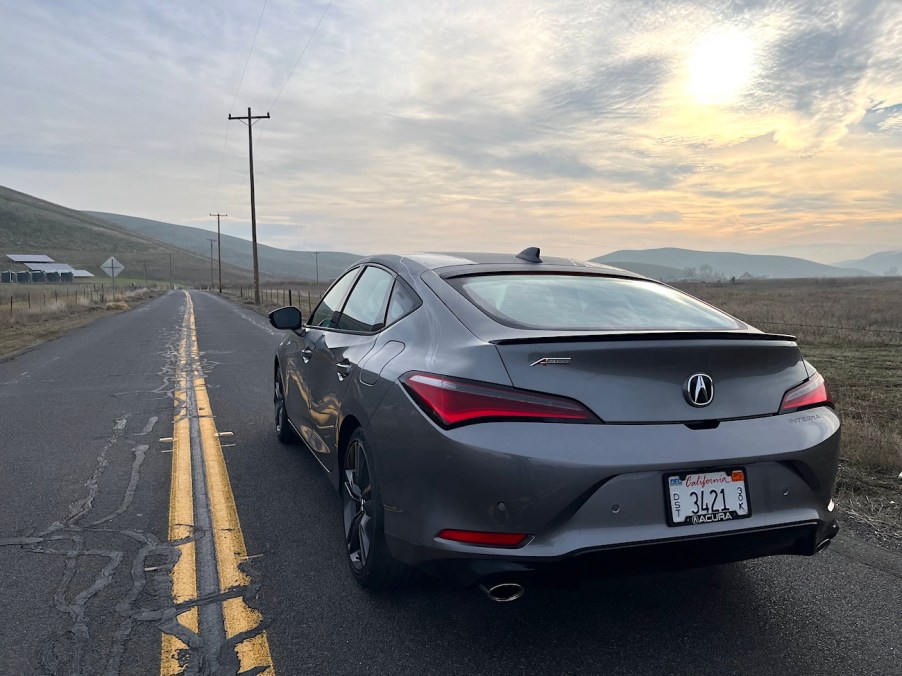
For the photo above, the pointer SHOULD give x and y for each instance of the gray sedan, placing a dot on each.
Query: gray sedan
(502, 420)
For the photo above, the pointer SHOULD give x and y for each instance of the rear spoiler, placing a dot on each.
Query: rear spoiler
(644, 335)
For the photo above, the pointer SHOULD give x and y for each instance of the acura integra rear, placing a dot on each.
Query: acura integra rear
(495, 419)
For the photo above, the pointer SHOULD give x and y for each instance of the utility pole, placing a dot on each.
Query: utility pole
(145, 273)
(249, 121)
(171, 287)
(219, 246)
(211, 261)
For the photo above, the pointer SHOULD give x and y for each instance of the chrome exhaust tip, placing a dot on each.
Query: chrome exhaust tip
(504, 592)
(822, 546)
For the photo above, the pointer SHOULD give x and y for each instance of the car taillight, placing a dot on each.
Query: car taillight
(483, 538)
(813, 392)
(452, 402)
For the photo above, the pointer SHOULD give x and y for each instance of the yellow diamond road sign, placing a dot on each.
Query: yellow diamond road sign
(112, 267)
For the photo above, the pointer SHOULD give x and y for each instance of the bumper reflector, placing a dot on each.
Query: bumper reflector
(483, 538)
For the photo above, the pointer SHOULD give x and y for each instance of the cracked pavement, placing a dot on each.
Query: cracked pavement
(85, 564)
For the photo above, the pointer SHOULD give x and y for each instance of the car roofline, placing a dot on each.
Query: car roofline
(448, 264)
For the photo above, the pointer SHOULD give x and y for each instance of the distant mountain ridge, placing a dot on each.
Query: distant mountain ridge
(663, 273)
(730, 264)
(880, 263)
(285, 263)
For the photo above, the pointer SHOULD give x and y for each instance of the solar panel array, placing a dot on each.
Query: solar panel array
(30, 258)
(50, 267)
(41, 263)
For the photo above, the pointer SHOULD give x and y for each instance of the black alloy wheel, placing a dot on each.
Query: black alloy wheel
(363, 517)
(357, 507)
(283, 429)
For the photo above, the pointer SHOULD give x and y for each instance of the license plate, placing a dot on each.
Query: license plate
(707, 497)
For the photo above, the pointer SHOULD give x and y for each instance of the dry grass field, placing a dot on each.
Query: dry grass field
(851, 330)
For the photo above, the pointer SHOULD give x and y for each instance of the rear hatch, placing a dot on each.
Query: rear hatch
(642, 378)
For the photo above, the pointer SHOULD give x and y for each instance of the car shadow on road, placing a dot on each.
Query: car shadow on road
(720, 619)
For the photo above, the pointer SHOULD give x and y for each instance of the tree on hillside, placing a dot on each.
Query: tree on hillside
(709, 274)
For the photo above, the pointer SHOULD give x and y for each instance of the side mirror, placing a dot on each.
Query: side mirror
(288, 318)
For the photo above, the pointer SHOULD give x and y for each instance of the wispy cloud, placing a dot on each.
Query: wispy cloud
(585, 126)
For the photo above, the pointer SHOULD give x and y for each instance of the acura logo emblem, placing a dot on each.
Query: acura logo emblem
(699, 389)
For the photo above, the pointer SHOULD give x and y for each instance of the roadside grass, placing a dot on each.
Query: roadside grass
(851, 331)
(32, 315)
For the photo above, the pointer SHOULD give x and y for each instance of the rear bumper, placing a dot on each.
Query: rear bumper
(595, 491)
(802, 539)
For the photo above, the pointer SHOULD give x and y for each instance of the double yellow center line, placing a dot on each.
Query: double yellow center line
(194, 420)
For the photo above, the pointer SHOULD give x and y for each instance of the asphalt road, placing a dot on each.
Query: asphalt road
(85, 553)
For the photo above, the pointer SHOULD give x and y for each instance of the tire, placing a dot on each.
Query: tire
(363, 518)
(284, 431)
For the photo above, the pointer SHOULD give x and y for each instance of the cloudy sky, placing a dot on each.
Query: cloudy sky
(581, 127)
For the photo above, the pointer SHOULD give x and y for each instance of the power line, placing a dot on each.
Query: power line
(221, 163)
(303, 51)
(274, 101)
(249, 52)
(235, 98)
(294, 67)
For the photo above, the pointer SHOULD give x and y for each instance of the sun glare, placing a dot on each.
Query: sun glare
(720, 67)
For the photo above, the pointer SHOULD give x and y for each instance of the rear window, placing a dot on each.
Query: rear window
(563, 302)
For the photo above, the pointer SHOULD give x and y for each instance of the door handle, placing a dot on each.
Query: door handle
(305, 354)
(344, 369)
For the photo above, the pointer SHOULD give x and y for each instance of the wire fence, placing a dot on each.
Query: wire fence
(20, 298)
(856, 329)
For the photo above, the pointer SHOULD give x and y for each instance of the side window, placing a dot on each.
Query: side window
(324, 313)
(403, 302)
(365, 309)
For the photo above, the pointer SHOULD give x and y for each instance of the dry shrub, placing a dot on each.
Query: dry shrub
(872, 444)
(116, 305)
(35, 315)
